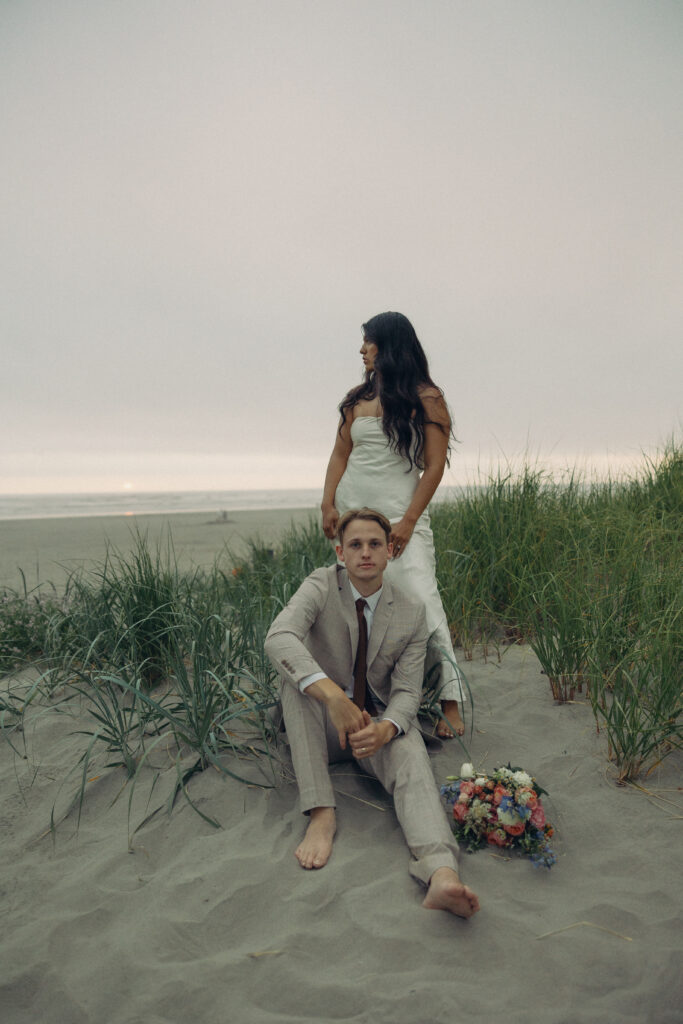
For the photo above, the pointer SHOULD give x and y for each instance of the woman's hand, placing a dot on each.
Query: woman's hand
(335, 471)
(400, 535)
(330, 520)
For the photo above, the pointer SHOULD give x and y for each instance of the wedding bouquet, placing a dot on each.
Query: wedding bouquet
(502, 810)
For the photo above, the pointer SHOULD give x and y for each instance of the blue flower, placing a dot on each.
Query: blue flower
(451, 792)
(544, 858)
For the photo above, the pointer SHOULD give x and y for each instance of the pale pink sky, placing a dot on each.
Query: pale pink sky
(202, 202)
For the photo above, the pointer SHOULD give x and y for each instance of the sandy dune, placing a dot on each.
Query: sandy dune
(222, 925)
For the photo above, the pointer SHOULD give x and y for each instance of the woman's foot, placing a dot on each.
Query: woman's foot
(455, 724)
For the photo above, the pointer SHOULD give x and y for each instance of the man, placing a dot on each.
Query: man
(351, 686)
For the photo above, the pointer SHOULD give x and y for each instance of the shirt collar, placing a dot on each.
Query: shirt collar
(370, 601)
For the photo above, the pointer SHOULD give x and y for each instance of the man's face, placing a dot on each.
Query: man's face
(365, 554)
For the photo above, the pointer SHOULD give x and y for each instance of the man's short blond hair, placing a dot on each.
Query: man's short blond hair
(368, 514)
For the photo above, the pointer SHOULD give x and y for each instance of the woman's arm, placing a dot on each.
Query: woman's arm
(437, 432)
(335, 471)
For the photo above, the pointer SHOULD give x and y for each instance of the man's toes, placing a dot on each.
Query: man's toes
(471, 898)
(311, 858)
(302, 857)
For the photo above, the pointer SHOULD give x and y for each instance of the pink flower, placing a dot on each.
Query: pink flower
(459, 812)
(498, 794)
(538, 816)
(497, 837)
(466, 789)
(527, 797)
(514, 830)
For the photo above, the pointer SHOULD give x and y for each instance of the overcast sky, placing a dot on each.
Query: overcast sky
(202, 201)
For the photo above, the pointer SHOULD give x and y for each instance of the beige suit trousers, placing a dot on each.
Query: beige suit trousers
(402, 767)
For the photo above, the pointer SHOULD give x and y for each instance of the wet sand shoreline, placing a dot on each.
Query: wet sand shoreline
(47, 550)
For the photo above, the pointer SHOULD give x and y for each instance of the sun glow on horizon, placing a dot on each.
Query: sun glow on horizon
(170, 472)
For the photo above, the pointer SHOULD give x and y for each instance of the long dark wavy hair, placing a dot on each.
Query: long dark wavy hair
(399, 373)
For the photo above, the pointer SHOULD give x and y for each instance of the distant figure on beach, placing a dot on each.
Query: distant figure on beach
(390, 453)
(350, 649)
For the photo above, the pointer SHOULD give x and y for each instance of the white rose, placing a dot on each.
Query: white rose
(509, 817)
(467, 771)
(521, 779)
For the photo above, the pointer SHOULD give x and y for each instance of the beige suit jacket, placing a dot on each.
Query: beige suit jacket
(318, 632)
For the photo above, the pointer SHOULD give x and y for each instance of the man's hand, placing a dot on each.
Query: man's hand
(345, 716)
(371, 738)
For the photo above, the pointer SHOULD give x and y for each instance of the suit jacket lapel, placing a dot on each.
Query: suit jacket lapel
(380, 621)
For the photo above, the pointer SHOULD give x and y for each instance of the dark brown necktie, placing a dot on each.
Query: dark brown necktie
(361, 697)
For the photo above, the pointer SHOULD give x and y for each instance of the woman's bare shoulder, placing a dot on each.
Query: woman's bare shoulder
(429, 391)
(367, 407)
(434, 403)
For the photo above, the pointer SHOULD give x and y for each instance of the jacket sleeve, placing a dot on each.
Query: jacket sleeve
(407, 677)
(284, 642)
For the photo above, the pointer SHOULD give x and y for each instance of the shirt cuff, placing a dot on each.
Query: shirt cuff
(308, 680)
(399, 730)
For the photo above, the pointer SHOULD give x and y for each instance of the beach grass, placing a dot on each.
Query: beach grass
(587, 573)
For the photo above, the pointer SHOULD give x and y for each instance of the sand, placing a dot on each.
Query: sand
(196, 923)
(49, 549)
(222, 924)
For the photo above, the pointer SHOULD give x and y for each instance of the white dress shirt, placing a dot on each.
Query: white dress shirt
(369, 612)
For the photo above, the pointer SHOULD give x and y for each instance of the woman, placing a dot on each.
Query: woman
(391, 449)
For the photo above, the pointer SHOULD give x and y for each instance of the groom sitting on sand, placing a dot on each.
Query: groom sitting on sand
(351, 687)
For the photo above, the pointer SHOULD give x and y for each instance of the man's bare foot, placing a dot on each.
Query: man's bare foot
(452, 713)
(315, 848)
(446, 892)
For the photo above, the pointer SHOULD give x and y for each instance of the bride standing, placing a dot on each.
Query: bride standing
(390, 453)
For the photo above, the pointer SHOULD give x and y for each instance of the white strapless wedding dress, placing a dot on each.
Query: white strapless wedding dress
(376, 477)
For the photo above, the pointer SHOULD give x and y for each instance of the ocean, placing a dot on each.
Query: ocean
(126, 503)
